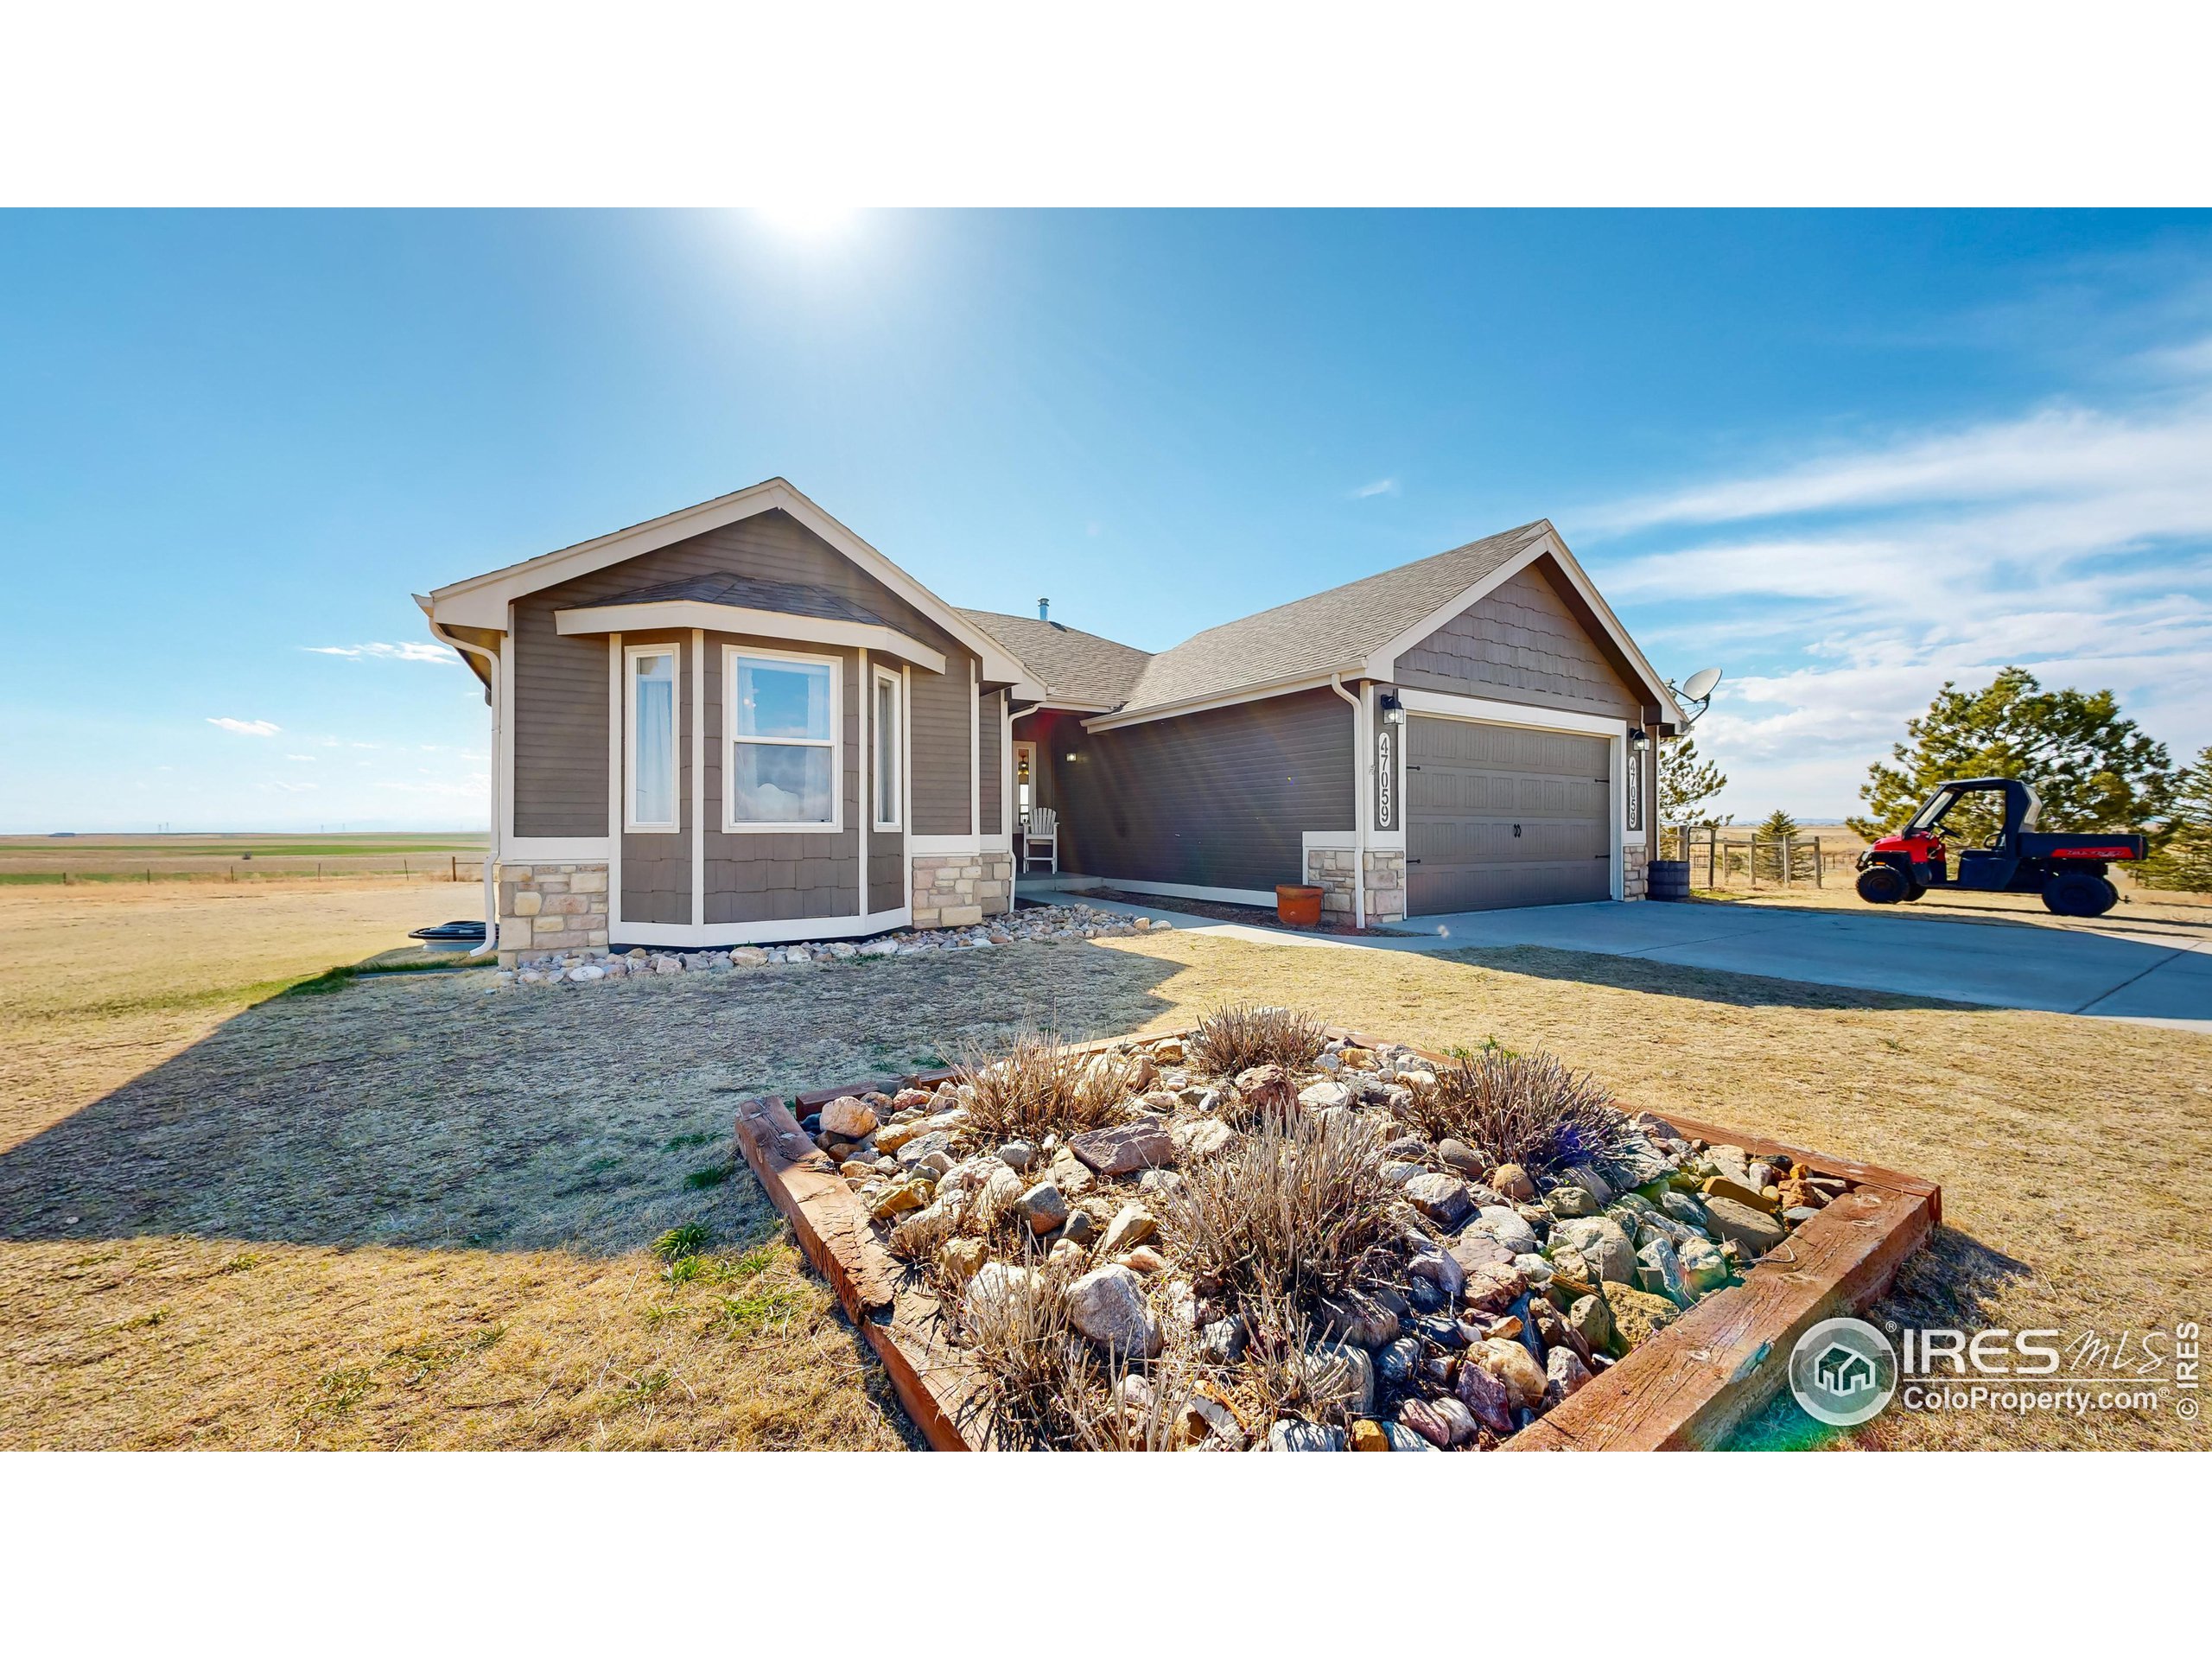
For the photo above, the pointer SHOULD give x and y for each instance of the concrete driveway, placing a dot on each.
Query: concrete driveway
(2113, 970)
(2108, 970)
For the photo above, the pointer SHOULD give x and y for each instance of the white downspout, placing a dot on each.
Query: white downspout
(1360, 793)
(492, 836)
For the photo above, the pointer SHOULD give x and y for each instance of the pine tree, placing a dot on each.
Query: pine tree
(1686, 782)
(1775, 829)
(2093, 768)
(2184, 859)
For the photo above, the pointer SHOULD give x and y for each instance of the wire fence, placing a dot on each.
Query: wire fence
(452, 869)
(1718, 860)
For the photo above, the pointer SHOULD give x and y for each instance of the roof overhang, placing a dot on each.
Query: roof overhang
(741, 618)
(482, 601)
(1382, 664)
(1306, 682)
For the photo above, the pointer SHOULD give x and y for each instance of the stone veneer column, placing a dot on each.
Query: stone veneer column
(1330, 869)
(1634, 875)
(550, 907)
(1386, 886)
(960, 889)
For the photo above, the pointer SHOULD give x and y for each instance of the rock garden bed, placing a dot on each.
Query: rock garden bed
(598, 965)
(1265, 1234)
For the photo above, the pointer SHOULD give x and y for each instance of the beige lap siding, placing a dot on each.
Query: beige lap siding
(548, 907)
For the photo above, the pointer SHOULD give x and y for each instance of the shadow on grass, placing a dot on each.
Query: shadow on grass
(1950, 1285)
(1700, 984)
(424, 1111)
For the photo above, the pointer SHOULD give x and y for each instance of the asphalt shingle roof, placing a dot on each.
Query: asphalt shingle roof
(1325, 632)
(1077, 666)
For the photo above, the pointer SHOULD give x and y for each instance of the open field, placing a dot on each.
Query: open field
(409, 1214)
(67, 859)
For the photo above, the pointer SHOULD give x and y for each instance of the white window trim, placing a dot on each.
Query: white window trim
(880, 677)
(674, 652)
(731, 824)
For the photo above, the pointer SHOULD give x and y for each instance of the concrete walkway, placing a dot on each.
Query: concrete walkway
(2106, 970)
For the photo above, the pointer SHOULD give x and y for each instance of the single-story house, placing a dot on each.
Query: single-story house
(740, 723)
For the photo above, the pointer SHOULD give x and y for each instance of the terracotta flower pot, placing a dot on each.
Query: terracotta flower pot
(1299, 907)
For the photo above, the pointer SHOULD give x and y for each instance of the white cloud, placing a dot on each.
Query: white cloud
(299, 757)
(291, 789)
(407, 651)
(246, 728)
(1380, 486)
(2074, 542)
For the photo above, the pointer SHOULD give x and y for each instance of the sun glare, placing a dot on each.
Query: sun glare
(808, 221)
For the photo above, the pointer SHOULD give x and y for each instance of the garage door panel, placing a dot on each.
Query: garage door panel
(1468, 786)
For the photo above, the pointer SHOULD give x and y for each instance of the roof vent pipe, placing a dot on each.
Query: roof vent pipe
(1043, 610)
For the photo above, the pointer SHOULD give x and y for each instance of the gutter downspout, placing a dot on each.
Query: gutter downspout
(1359, 795)
(491, 838)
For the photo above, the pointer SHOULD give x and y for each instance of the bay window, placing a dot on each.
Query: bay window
(784, 758)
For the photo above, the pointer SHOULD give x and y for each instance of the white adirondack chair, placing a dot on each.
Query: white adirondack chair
(1043, 830)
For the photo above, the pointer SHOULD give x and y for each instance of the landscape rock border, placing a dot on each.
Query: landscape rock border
(1688, 1387)
(595, 965)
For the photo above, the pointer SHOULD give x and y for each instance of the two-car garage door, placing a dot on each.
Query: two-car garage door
(1498, 816)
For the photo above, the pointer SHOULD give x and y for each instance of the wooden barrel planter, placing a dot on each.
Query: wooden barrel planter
(1667, 878)
(1298, 907)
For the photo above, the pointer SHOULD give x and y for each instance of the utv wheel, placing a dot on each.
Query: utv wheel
(1883, 884)
(1914, 891)
(2075, 894)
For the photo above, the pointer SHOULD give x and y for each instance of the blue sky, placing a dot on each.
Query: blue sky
(1844, 455)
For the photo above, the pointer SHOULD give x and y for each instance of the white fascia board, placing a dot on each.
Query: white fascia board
(1224, 700)
(740, 618)
(481, 601)
(722, 935)
(1491, 712)
(1383, 665)
(940, 846)
(556, 850)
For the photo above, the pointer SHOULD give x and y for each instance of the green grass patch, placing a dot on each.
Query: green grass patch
(747, 1314)
(339, 1391)
(689, 1142)
(688, 1240)
(421, 1361)
(699, 1181)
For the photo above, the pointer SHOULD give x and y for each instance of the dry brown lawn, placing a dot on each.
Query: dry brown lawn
(410, 1214)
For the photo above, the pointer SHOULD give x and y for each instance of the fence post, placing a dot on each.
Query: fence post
(1819, 868)
(453, 871)
(1786, 840)
(1711, 851)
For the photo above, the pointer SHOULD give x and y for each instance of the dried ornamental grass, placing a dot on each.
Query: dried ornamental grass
(1521, 1109)
(1238, 1036)
(1039, 1086)
(1302, 1209)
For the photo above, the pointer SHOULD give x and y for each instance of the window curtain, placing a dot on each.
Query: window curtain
(655, 750)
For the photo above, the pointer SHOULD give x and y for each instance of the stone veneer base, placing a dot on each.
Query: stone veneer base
(960, 889)
(550, 907)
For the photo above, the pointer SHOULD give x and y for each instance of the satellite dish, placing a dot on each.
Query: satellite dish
(1700, 685)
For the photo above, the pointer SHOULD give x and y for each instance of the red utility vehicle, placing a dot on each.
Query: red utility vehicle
(2068, 871)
